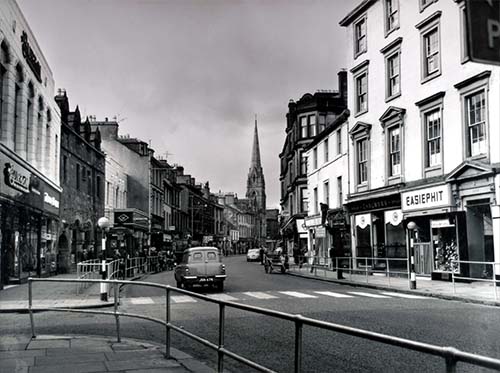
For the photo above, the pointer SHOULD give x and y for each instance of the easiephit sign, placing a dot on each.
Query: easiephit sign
(426, 198)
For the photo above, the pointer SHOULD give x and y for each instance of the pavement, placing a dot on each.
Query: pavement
(480, 292)
(79, 354)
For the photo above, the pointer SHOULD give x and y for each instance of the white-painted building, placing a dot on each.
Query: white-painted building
(424, 137)
(29, 153)
(327, 185)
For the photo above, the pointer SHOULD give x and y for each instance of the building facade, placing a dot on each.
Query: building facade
(424, 138)
(327, 183)
(306, 118)
(29, 153)
(82, 175)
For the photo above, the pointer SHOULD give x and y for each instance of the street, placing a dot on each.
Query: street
(472, 328)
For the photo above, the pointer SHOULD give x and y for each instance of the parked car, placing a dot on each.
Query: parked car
(253, 255)
(202, 266)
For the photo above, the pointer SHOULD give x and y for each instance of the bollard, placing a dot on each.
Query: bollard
(104, 286)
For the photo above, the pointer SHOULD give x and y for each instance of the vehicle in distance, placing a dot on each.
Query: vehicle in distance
(253, 255)
(201, 266)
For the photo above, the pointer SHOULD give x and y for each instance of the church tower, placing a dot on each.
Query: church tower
(256, 187)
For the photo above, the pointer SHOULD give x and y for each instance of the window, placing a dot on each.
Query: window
(89, 184)
(393, 74)
(303, 164)
(326, 150)
(391, 15)
(98, 186)
(395, 152)
(315, 158)
(312, 125)
(321, 123)
(303, 127)
(326, 193)
(339, 141)
(77, 176)
(433, 137)
(30, 129)
(362, 159)
(303, 199)
(84, 173)
(475, 114)
(361, 92)
(315, 194)
(339, 191)
(359, 37)
(430, 46)
(16, 111)
(425, 3)
(65, 168)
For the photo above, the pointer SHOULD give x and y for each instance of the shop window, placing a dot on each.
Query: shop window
(363, 238)
(445, 246)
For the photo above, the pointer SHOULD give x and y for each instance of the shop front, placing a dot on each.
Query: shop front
(130, 231)
(378, 231)
(319, 242)
(440, 234)
(29, 221)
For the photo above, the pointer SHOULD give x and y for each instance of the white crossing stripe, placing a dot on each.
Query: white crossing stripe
(335, 295)
(260, 295)
(403, 295)
(296, 294)
(182, 299)
(370, 295)
(221, 297)
(142, 300)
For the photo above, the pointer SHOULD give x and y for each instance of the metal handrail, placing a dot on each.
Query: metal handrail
(454, 276)
(451, 355)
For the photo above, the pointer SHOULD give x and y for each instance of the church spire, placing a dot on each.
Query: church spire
(256, 148)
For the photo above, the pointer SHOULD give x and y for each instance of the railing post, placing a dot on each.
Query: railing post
(366, 269)
(451, 363)
(494, 280)
(388, 271)
(30, 304)
(220, 354)
(117, 316)
(298, 345)
(167, 331)
(78, 277)
(453, 278)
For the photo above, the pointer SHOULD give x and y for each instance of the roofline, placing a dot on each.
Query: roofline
(353, 14)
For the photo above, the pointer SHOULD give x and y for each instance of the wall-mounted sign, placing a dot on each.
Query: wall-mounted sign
(320, 232)
(30, 57)
(373, 204)
(394, 217)
(363, 220)
(16, 178)
(53, 201)
(427, 198)
(312, 221)
(441, 223)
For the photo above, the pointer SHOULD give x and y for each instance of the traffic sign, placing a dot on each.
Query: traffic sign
(483, 30)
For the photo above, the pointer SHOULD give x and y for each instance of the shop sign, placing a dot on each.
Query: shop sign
(427, 198)
(320, 232)
(393, 217)
(441, 223)
(372, 204)
(16, 178)
(312, 221)
(301, 226)
(363, 220)
(30, 57)
(50, 200)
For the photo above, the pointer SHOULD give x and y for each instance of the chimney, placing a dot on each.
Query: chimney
(342, 79)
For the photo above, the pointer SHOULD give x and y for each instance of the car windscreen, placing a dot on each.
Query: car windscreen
(211, 255)
(197, 257)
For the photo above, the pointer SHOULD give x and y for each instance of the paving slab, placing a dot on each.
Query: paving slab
(140, 364)
(11, 364)
(75, 358)
(54, 343)
(196, 367)
(129, 355)
(178, 354)
(73, 368)
(76, 351)
(20, 354)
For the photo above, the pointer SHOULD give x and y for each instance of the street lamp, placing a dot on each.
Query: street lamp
(104, 224)
(411, 255)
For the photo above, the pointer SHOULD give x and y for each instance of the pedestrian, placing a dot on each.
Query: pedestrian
(332, 258)
(261, 255)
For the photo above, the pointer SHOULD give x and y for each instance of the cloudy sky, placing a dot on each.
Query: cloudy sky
(189, 75)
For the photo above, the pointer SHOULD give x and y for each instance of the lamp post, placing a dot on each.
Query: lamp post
(104, 224)
(411, 255)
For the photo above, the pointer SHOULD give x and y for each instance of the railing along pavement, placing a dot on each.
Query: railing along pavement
(350, 266)
(451, 355)
(456, 276)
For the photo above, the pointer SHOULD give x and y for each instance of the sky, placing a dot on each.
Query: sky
(190, 75)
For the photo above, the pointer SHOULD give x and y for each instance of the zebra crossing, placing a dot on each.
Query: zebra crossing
(270, 295)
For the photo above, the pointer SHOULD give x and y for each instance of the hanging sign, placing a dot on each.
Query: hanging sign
(363, 220)
(393, 217)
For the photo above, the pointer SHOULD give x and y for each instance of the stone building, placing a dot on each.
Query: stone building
(306, 118)
(82, 174)
(424, 138)
(29, 153)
